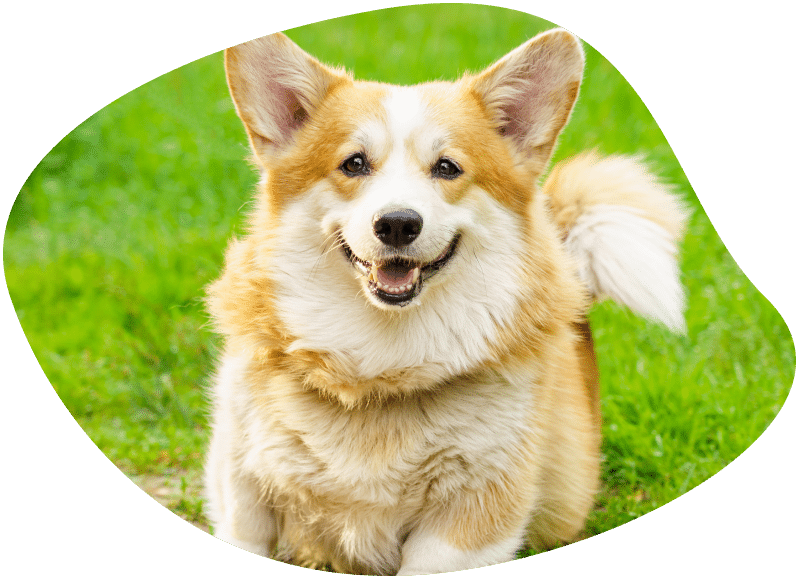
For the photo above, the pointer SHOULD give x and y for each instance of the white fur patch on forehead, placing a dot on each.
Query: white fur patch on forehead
(405, 110)
(411, 122)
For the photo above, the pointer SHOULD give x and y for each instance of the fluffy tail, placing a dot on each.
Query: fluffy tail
(622, 225)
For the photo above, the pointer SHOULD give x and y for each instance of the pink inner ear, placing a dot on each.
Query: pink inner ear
(521, 119)
(275, 86)
(532, 90)
(515, 123)
(300, 116)
(541, 96)
(280, 112)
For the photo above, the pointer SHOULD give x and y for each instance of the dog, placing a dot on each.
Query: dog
(408, 382)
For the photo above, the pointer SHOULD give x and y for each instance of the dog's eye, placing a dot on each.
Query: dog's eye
(355, 165)
(446, 169)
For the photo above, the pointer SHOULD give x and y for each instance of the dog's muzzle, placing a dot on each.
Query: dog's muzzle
(397, 280)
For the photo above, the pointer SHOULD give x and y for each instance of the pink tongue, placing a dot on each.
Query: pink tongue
(394, 276)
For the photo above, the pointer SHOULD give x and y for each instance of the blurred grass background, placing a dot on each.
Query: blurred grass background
(117, 231)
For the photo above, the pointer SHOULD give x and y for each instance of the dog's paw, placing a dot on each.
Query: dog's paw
(427, 554)
(254, 547)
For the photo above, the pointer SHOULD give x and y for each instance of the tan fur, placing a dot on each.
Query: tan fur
(587, 179)
(447, 461)
(493, 166)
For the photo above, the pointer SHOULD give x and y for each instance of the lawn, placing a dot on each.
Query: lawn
(118, 230)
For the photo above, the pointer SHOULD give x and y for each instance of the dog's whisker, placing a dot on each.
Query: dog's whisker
(333, 247)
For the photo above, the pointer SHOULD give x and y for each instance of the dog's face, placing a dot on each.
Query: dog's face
(400, 205)
(401, 224)
(402, 196)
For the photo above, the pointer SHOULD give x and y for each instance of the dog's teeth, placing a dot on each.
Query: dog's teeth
(393, 289)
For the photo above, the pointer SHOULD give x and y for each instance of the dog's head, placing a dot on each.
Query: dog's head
(381, 202)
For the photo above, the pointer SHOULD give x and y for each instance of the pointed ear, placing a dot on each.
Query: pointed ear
(275, 87)
(530, 92)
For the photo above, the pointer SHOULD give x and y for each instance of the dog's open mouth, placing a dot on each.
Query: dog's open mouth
(398, 280)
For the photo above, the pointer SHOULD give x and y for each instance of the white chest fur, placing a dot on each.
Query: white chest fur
(294, 435)
(370, 468)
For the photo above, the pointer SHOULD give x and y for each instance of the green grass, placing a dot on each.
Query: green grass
(117, 231)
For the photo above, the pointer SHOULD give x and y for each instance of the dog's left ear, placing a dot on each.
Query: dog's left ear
(530, 92)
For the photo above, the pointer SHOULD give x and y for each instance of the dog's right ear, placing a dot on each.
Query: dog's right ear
(276, 87)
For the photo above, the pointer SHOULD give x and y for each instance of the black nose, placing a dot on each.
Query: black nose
(397, 228)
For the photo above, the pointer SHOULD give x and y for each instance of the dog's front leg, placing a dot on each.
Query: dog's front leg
(235, 503)
(246, 522)
(427, 553)
(469, 529)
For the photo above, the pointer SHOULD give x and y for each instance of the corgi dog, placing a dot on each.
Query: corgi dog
(408, 382)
